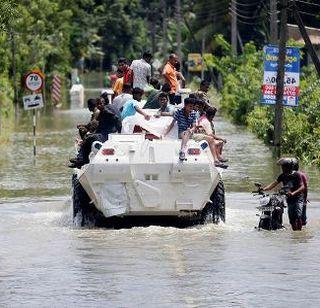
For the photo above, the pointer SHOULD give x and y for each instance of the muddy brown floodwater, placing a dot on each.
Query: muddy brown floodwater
(45, 261)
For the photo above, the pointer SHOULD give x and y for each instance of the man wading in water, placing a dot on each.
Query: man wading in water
(295, 200)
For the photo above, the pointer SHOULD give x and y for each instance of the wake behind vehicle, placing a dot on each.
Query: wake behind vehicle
(137, 179)
(271, 208)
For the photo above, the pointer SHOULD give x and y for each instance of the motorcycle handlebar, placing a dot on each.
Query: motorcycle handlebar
(260, 192)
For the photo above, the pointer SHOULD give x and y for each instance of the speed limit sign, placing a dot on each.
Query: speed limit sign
(34, 81)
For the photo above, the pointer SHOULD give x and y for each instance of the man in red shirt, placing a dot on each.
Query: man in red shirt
(127, 71)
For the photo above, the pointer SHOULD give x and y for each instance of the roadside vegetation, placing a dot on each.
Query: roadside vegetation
(240, 101)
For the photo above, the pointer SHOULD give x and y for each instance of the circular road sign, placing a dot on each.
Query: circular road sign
(34, 81)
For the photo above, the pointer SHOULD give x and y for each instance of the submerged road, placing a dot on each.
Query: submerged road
(46, 261)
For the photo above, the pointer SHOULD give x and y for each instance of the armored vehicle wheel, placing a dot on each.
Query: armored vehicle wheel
(215, 210)
(84, 213)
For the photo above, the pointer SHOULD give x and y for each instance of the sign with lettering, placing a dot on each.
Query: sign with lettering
(33, 101)
(291, 78)
(34, 81)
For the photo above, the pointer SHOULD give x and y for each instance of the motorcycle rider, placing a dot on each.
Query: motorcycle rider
(293, 182)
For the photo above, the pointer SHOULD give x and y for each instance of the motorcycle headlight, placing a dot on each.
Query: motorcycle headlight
(264, 200)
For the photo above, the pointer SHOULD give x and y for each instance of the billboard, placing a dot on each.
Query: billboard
(291, 77)
(195, 61)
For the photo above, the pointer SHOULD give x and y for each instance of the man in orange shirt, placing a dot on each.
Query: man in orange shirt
(170, 76)
(117, 87)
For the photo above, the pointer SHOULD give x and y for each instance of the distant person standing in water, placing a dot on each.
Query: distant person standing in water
(141, 70)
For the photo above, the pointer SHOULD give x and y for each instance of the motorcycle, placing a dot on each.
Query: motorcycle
(271, 208)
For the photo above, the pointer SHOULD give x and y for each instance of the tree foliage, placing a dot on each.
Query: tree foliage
(240, 100)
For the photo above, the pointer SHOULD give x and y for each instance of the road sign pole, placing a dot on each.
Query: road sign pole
(34, 121)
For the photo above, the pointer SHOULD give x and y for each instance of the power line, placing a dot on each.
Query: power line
(305, 2)
(243, 16)
(209, 13)
(306, 13)
(246, 4)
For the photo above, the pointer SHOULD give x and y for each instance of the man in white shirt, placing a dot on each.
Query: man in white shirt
(122, 98)
(141, 71)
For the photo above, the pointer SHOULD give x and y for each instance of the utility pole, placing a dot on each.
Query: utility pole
(178, 15)
(273, 22)
(153, 35)
(164, 29)
(203, 44)
(306, 38)
(280, 78)
(234, 29)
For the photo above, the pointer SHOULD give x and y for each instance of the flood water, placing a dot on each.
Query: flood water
(45, 261)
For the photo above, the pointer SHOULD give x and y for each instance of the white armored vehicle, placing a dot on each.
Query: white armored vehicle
(137, 179)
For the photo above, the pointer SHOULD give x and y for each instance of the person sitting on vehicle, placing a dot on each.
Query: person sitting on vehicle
(92, 103)
(304, 180)
(131, 106)
(207, 124)
(200, 107)
(170, 76)
(165, 109)
(121, 99)
(203, 91)
(295, 200)
(108, 120)
(88, 135)
(118, 85)
(141, 70)
(152, 101)
(186, 120)
(127, 71)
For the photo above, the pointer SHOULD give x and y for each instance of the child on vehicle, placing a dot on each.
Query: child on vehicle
(131, 106)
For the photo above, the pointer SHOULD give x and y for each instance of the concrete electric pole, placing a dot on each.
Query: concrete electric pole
(273, 22)
(164, 29)
(234, 30)
(280, 78)
(178, 16)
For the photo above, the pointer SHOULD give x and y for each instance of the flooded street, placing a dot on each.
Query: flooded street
(47, 262)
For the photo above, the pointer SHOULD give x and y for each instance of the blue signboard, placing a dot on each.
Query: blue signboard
(291, 79)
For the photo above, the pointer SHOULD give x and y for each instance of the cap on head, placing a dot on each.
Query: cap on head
(286, 163)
